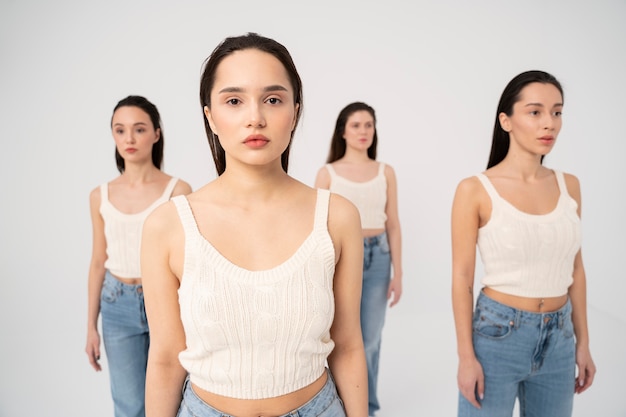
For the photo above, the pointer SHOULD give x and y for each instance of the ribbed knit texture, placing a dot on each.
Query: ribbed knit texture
(123, 233)
(370, 197)
(257, 334)
(530, 255)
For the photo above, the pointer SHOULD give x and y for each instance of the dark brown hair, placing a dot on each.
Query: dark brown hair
(224, 49)
(511, 95)
(155, 117)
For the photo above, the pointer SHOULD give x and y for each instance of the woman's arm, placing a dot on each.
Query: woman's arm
(95, 280)
(392, 227)
(347, 360)
(162, 233)
(578, 298)
(465, 223)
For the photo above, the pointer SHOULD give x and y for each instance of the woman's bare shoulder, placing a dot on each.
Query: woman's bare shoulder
(162, 219)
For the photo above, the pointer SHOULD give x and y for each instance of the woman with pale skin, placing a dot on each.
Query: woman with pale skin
(353, 172)
(252, 282)
(527, 337)
(118, 209)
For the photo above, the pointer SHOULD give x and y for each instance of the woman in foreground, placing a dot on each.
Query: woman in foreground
(253, 281)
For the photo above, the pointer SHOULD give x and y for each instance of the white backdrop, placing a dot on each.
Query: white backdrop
(433, 70)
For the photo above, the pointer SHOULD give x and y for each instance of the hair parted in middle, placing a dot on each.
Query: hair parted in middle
(338, 143)
(152, 111)
(225, 48)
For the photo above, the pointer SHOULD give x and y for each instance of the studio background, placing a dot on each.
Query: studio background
(433, 71)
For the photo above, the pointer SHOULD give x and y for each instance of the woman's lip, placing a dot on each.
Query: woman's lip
(256, 141)
(256, 138)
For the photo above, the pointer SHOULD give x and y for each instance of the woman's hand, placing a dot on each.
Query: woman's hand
(586, 370)
(471, 381)
(93, 349)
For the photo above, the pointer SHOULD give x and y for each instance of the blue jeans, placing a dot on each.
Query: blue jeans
(524, 355)
(376, 277)
(326, 403)
(126, 341)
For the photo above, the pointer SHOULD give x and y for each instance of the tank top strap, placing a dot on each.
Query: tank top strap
(169, 189)
(381, 169)
(321, 210)
(104, 194)
(560, 180)
(491, 190)
(331, 171)
(186, 216)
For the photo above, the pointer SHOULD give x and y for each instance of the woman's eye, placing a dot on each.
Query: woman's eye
(233, 101)
(273, 100)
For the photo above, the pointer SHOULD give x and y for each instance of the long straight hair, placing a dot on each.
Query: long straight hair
(501, 140)
(152, 111)
(338, 143)
(207, 81)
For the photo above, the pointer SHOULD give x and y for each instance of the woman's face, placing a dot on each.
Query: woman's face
(134, 133)
(536, 119)
(359, 130)
(252, 108)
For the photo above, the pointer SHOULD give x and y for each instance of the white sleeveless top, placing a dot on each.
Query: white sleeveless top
(529, 255)
(256, 334)
(370, 197)
(123, 233)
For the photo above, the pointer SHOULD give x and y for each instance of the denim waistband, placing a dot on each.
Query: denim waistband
(375, 240)
(119, 285)
(484, 302)
(321, 400)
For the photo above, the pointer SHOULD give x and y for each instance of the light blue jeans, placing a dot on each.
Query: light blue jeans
(126, 341)
(376, 277)
(326, 403)
(524, 355)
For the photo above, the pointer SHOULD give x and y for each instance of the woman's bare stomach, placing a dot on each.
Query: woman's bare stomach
(128, 281)
(267, 407)
(372, 232)
(534, 305)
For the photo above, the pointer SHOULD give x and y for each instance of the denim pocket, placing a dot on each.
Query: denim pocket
(490, 325)
(110, 291)
(568, 326)
(383, 244)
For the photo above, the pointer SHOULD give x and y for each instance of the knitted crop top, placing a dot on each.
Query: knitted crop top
(529, 255)
(370, 197)
(123, 233)
(256, 334)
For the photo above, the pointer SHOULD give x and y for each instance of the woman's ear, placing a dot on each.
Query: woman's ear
(158, 134)
(207, 114)
(295, 116)
(505, 122)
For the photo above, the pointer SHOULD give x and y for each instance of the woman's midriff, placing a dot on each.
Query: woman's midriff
(534, 305)
(128, 281)
(372, 232)
(267, 407)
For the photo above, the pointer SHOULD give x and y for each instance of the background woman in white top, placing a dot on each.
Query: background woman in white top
(528, 331)
(248, 282)
(352, 171)
(118, 209)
